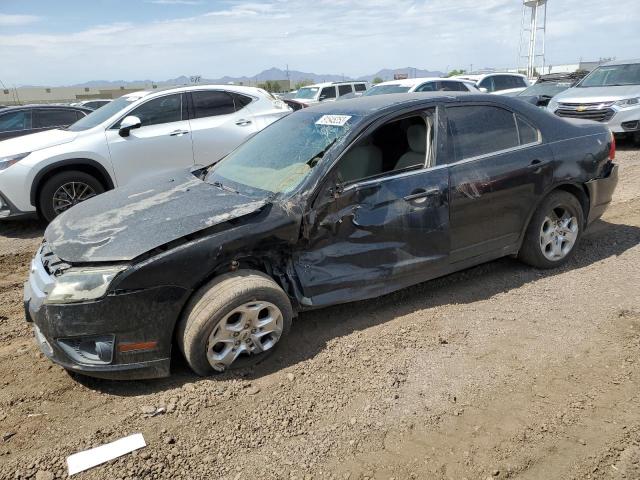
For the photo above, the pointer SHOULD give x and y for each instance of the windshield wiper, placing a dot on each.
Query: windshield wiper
(318, 156)
(224, 187)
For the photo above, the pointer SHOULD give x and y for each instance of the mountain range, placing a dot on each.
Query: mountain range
(270, 74)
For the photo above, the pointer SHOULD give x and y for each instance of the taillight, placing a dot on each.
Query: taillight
(612, 148)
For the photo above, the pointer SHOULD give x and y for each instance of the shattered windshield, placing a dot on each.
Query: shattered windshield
(278, 158)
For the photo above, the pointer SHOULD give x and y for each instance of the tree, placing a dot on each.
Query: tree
(303, 83)
(377, 80)
(456, 72)
(270, 86)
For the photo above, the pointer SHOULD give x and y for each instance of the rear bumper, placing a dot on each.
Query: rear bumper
(601, 192)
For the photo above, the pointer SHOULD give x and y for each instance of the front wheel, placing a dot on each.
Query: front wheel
(554, 231)
(66, 189)
(235, 321)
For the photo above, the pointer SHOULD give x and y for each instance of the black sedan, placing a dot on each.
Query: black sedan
(26, 119)
(336, 203)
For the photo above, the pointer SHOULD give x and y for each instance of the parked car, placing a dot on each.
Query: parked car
(610, 94)
(93, 104)
(335, 203)
(328, 91)
(548, 86)
(497, 83)
(431, 84)
(132, 137)
(25, 119)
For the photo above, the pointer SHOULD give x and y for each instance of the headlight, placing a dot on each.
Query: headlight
(6, 162)
(628, 102)
(553, 105)
(81, 284)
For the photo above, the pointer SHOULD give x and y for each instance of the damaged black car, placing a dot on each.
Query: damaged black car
(336, 203)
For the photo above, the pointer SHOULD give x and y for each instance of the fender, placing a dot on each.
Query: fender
(68, 163)
(558, 186)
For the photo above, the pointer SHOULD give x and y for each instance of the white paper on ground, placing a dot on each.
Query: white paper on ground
(79, 462)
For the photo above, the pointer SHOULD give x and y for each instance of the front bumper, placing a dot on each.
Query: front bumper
(619, 120)
(8, 211)
(601, 192)
(142, 316)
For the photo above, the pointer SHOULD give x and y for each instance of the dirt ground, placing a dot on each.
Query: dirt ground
(500, 371)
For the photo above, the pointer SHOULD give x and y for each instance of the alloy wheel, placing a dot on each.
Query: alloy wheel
(558, 233)
(250, 329)
(70, 194)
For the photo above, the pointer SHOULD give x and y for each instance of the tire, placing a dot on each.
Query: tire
(227, 313)
(53, 199)
(549, 240)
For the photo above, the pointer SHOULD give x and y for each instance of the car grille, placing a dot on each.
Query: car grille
(600, 112)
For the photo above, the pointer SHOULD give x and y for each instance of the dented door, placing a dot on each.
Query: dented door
(376, 237)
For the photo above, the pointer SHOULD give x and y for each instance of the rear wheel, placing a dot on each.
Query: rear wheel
(554, 231)
(235, 321)
(66, 189)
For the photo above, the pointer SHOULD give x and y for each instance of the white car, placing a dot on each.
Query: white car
(328, 91)
(137, 135)
(498, 83)
(610, 95)
(426, 84)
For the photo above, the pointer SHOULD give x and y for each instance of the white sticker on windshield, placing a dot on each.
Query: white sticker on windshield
(335, 120)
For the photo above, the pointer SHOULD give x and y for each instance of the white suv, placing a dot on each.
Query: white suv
(498, 83)
(136, 135)
(328, 91)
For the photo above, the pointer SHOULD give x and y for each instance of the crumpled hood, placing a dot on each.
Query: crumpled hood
(597, 94)
(125, 223)
(35, 141)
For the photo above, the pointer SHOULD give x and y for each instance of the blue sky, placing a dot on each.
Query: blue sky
(62, 42)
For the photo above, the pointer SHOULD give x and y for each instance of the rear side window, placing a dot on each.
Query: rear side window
(328, 92)
(427, 87)
(449, 86)
(527, 132)
(360, 87)
(240, 100)
(160, 110)
(54, 118)
(80, 114)
(13, 121)
(480, 130)
(344, 90)
(212, 103)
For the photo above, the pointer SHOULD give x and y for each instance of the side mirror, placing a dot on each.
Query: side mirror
(129, 123)
(322, 98)
(483, 90)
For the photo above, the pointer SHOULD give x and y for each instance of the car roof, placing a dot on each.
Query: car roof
(622, 62)
(409, 82)
(480, 76)
(366, 105)
(44, 106)
(192, 88)
(329, 84)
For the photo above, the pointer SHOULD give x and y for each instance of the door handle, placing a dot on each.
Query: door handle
(243, 122)
(178, 133)
(536, 166)
(422, 194)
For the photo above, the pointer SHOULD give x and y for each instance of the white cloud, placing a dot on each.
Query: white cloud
(175, 2)
(7, 20)
(328, 36)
